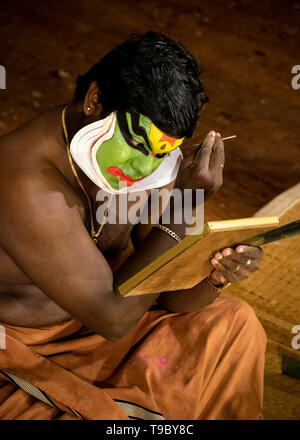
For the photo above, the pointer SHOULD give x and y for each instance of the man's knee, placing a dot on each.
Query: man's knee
(245, 320)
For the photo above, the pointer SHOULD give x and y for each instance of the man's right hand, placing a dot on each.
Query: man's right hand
(203, 169)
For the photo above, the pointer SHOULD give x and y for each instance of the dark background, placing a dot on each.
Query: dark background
(247, 50)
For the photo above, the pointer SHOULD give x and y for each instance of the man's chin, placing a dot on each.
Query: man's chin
(117, 185)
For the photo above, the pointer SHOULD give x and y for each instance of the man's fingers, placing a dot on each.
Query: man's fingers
(230, 258)
(203, 154)
(217, 157)
(237, 273)
(234, 265)
(250, 251)
(240, 258)
(229, 263)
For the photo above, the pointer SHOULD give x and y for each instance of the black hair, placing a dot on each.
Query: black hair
(152, 75)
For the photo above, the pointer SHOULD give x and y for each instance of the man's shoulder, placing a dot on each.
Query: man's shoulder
(25, 150)
(29, 167)
(32, 140)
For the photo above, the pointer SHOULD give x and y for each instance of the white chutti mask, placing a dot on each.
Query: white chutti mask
(88, 140)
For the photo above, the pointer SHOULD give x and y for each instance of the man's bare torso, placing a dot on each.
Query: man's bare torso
(38, 142)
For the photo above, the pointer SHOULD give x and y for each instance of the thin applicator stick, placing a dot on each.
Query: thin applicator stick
(223, 139)
(229, 137)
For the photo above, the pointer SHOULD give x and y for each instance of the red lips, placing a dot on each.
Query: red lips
(127, 180)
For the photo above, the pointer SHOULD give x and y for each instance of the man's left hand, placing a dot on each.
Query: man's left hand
(237, 264)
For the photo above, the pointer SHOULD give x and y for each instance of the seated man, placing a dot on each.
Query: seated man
(76, 348)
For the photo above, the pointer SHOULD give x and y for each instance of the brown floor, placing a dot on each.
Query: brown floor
(247, 50)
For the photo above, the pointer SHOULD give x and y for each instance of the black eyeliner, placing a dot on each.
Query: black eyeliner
(123, 124)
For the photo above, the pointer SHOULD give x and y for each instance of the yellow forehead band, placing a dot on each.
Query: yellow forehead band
(161, 143)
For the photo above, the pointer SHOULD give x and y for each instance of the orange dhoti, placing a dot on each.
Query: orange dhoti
(202, 365)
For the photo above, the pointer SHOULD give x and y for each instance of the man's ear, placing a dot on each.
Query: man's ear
(91, 103)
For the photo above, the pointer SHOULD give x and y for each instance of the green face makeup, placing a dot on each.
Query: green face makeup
(128, 156)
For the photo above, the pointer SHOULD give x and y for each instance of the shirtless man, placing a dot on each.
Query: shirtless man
(50, 268)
